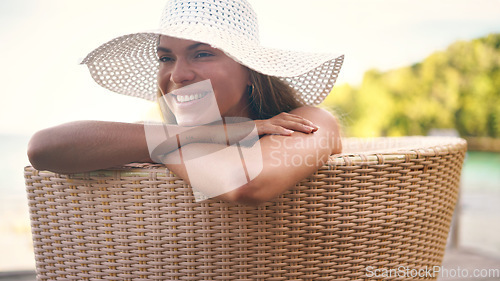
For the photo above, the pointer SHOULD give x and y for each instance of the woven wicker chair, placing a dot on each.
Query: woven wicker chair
(384, 203)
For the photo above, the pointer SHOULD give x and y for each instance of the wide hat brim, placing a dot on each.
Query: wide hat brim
(129, 64)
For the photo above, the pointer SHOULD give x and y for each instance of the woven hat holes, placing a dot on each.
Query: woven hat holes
(225, 24)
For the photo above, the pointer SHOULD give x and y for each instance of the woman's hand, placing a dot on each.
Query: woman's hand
(235, 129)
(285, 124)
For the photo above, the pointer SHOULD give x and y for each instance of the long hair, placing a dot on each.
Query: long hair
(268, 97)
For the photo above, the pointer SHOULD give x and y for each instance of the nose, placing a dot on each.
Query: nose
(182, 73)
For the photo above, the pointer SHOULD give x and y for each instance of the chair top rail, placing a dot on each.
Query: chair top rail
(356, 151)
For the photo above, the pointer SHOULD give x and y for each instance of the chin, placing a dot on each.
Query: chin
(190, 120)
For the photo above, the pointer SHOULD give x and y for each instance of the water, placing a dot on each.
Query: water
(479, 222)
(16, 251)
(481, 171)
(480, 202)
(14, 158)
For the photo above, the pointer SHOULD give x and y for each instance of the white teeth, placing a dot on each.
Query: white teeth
(186, 98)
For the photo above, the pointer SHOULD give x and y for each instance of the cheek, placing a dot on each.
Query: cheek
(233, 81)
(229, 90)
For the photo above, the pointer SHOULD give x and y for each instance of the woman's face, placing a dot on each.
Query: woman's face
(202, 68)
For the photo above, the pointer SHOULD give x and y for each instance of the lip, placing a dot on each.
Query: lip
(178, 104)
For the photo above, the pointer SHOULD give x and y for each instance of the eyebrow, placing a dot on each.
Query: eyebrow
(189, 48)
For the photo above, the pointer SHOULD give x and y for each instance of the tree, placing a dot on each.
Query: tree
(456, 88)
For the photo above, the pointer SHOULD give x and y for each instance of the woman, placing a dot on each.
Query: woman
(216, 42)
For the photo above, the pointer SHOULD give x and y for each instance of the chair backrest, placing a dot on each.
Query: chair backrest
(386, 208)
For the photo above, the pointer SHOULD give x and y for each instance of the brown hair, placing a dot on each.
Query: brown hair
(270, 96)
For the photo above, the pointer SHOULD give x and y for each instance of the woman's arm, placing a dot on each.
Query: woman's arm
(87, 145)
(90, 145)
(284, 161)
(288, 160)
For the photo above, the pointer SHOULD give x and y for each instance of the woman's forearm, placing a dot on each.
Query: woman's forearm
(165, 138)
(87, 145)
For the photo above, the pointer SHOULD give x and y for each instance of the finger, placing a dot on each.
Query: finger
(297, 118)
(285, 131)
(270, 129)
(296, 126)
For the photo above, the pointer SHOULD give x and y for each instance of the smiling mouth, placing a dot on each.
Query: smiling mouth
(187, 98)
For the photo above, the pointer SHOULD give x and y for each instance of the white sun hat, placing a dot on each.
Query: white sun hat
(129, 64)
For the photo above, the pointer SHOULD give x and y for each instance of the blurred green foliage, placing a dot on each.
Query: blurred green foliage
(457, 88)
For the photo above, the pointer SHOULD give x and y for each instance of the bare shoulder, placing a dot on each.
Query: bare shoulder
(316, 115)
(328, 123)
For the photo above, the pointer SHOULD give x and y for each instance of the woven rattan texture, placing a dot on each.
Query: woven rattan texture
(383, 210)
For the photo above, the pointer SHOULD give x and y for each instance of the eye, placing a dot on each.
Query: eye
(203, 55)
(165, 59)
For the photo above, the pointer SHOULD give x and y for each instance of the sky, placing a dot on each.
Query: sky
(42, 43)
